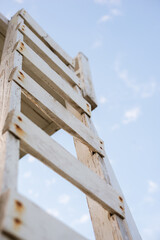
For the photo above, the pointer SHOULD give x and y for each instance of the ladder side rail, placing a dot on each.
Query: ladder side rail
(10, 98)
(55, 111)
(37, 143)
(116, 222)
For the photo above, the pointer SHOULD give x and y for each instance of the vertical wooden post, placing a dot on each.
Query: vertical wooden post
(10, 98)
(105, 226)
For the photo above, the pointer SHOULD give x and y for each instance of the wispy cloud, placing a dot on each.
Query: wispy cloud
(64, 199)
(115, 126)
(54, 212)
(131, 115)
(144, 90)
(19, 1)
(108, 2)
(104, 18)
(97, 44)
(27, 174)
(152, 186)
(102, 100)
(31, 159)
(50, 182)
(113, 13)
(83, 219)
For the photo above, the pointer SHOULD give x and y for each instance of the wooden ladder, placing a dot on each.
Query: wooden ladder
(43, 90)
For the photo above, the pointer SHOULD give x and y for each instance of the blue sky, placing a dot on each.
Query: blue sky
(121, 39)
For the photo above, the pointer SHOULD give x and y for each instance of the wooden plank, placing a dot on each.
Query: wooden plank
(48, 56)
(54, 80)
(116, 228)
(10, 96)
(3, 24)
(129, 222)
(56, 111)
(47, 39)
(82, 66)
(37, 143)
(23, 219)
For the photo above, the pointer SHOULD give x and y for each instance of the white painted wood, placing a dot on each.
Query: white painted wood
(47, 39)
(24, 220)
(56, 111)
(83, 71)
(48, 56)
(3, 24)
(129, 221)
(54, 80)
(37, 143)
(10, 97)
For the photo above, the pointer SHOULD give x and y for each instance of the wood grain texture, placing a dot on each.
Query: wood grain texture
(48, 56)
(47, 39)
(3, 24)
(24, 220)
(116, 228)
(10, 95)
(57, 113)
(37, 143)
(83, 71)
(63, 88)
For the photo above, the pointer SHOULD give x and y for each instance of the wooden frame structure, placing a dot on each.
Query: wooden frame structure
(42, 89)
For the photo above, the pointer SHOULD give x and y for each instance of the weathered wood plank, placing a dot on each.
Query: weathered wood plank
(48, 56)
(3, 24)
(10, 97)
(47, 39)
(54, 80)
(57, 113)
(22, 219)
(105, 226)
(37, 143)
(82, 66)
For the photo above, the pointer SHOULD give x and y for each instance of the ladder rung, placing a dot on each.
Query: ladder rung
(25, 220)
(37, 143)
(35, 43)
(47, 39)
(57, 112)
(55, 81)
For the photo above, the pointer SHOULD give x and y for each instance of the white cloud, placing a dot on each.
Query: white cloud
(83, 219)
(131, 115)
(104, 18)
(31, 159)
(116, 12)
(33, 194)
(64, 199)
(19, 1)
(144, 90)
(54, 212)
(97, 44)
(50, 182)
(103, 100)
(152, 186)
(108, 2)
(115, 126)
(27, 174)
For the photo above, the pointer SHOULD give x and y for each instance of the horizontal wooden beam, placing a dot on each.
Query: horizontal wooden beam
(47, 39)
(54, 80)
(37, 143)
(51, 58)
(22, 219)
(57, 113)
